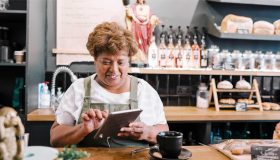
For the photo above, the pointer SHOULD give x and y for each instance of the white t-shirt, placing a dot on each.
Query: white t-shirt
(71, 104)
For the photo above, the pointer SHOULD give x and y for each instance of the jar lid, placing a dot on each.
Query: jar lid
(19, 53)
(202, 86)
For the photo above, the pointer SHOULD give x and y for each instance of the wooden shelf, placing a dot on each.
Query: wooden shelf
(203, 72)
(253, 2)
(186, 114)
(233, 106)
(235, 90)
(213, 92)
(214, 31)
(12, 65)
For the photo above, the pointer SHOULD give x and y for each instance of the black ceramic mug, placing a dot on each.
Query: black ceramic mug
(170, 143)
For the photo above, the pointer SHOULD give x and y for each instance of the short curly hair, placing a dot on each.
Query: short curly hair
(110, 37)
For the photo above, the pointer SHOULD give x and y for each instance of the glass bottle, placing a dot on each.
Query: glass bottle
(170, 55)
(189, 34)
(202, 96)
(153, 54)
(162, 51)
(163, 33)
(227, 132)
(195, 53)
(216, 58)
(252, 61)
(178, 52)
(235, 55)
(198, 35)
(180, 33)
(204, 54)
(277, 59)
(187, 52)
(217, 138)
(268, 60)
(171, 34)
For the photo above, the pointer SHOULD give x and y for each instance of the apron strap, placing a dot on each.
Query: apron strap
(86, 104)
(87, 85)
(133, 92)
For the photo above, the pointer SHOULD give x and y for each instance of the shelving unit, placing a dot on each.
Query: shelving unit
(203, 72)
(214, 31)
(254, 2)
(15, 20)
(255, 90)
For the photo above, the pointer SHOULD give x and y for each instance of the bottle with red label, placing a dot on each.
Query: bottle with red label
(204, 54)
(178, 52)
(195, 53)
(162, 51)
(170, 59)
(187, 52)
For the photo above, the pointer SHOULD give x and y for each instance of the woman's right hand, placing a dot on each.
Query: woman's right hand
(277, 127)
(93, 119)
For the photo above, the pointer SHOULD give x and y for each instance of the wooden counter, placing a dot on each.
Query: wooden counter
(198, 153)
(186, 114)
(202, 71)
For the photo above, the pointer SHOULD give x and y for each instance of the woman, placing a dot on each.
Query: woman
(110, 89)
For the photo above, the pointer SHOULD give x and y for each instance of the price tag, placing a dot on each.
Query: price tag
(265, 152)
(241, 106)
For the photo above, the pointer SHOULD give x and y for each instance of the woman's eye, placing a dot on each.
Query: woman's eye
(121, 63)
(106, 62)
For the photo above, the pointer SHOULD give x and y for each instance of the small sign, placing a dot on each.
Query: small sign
(241, 106)
(265, 152)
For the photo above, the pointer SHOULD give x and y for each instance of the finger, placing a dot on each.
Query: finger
(138, 130)
(129, 134)
(137, 124)
(85, 117)
(123, 134)
(98, 114)
(126, 129)
(105, 113)
(91, 113)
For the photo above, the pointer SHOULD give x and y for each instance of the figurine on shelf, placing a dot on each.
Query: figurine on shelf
(4, 4)
(11, 135)
(141, 21)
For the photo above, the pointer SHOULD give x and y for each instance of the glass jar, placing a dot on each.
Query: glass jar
(259, 62)
(277, 59)
(202, 96)
(228, 61)
(252, 61)
(235, 55)
(246, 59)
(269, 60)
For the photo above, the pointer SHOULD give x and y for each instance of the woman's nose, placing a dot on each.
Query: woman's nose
(114, 67)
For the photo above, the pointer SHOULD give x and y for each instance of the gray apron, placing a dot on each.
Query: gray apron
(88, 141)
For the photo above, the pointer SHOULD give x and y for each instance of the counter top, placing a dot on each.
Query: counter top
(185, 114)
(198, 153)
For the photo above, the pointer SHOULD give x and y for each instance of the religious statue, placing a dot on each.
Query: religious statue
(141, 21)
(11, 135)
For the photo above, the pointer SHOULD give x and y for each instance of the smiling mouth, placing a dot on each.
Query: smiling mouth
(113, 76)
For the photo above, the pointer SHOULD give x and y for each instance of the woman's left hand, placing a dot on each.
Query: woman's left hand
(137, 130)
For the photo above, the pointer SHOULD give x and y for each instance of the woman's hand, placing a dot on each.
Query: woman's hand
(137, 130)
(277, 127)
(93, 119)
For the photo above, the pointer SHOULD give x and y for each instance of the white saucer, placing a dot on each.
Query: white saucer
(40, 153)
